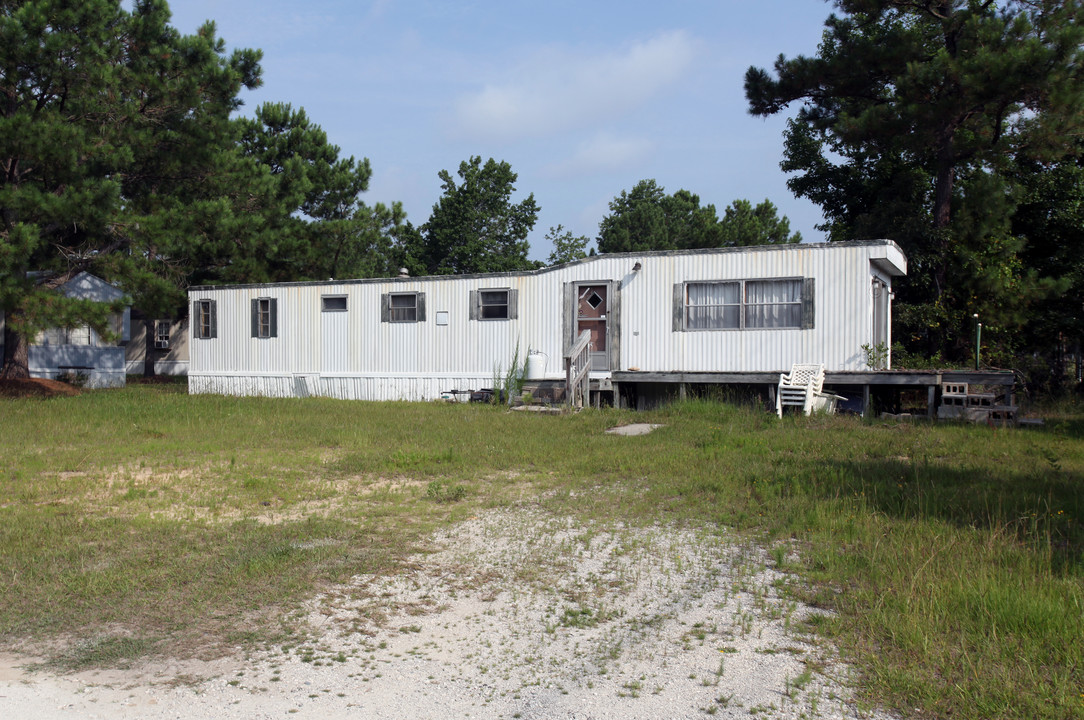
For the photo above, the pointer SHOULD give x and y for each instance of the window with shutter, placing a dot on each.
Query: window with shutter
(264, 318)
(493, 304)
(402, 307)
(205, 320)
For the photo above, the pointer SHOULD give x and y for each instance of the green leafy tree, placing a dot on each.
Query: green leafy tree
(636, 221)
(109, 120)
(566, 246)
(910, 114)
(743, 224)
(688, 225)
(646, 218)
(474, 227)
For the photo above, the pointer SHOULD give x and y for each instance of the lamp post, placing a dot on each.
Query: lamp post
(978, 340)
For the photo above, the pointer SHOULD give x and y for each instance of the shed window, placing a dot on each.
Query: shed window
(264, 318)
(775, 303)
(206, 320)
(402, 307)
(161, 334)
(75, 335)
(493, 304)
(333, 303)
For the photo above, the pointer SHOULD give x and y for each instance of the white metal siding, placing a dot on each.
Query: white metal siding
(381, 360)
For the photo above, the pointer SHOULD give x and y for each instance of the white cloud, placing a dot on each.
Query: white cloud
(603, 153)
(556, 89)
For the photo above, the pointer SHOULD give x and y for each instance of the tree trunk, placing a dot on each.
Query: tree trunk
(16, 357)
(942, 206)
(149, 350)
(942, 200)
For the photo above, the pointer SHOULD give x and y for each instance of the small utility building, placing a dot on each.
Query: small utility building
(655, 319)
(80, 352)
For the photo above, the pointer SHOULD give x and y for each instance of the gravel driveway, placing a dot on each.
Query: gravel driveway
(515, 614)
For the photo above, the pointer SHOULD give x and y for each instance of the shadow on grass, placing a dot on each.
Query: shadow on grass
(1042, 508)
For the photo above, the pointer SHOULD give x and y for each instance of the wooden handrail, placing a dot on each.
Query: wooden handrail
(577, 366)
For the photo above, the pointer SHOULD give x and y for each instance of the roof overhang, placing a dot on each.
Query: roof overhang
(889, 259)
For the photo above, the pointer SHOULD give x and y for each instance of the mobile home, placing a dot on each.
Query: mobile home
(651, 317)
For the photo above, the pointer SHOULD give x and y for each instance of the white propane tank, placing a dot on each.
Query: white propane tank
(536, 365)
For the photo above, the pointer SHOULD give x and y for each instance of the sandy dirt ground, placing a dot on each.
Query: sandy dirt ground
(514, 615)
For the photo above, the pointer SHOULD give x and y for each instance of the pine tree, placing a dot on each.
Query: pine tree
(108, 120)
(910, 114)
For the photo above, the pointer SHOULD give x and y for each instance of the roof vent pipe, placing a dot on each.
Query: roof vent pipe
(403, 272)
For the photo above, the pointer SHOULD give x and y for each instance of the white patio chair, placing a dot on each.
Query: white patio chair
(804, 388)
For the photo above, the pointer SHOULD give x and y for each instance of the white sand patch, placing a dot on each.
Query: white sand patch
(515, 614)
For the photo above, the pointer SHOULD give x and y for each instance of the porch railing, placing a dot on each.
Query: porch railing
(577, 366)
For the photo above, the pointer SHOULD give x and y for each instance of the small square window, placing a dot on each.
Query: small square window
(404, 307)
(494, 304)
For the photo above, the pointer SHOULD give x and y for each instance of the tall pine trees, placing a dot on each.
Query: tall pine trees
(108, 120)
(909, 115)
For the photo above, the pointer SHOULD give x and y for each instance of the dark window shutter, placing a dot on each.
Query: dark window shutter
(193, 321)
(807, 303)
(568, 317)
(473, 311)
(513, 304)
(421, 307)
(274, 318)
(385, 308)
(679, 307)
(613, 324)
(213, 312)
(255, 318)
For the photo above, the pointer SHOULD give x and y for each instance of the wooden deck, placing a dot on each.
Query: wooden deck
(844, 382)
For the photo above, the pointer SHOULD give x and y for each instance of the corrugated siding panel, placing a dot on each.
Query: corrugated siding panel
(354, 355)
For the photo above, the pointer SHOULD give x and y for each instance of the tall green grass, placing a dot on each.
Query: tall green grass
(952, 555)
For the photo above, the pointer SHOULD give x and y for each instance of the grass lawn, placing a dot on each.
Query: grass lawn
(144, 520)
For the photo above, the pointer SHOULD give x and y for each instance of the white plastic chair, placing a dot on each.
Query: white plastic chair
(804, 388)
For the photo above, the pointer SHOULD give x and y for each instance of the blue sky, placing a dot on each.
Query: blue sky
(584, 99)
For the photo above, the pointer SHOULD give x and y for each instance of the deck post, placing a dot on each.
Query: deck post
(865, 400)
(931, 400)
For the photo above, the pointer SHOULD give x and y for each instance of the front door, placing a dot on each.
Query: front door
(592, 308)
(334, 337)
(881, 337)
